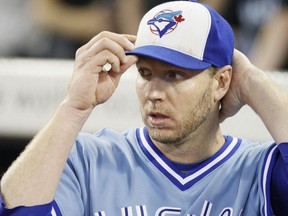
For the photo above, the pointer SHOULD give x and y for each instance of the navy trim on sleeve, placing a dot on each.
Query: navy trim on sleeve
(283, 148)
(279, 182)
(43, 210)
(267, 169)
(56, 209)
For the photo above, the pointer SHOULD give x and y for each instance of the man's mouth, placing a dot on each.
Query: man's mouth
(156, 119)
(157, 115)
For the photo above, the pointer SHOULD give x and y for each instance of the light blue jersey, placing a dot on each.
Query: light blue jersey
(112, 174)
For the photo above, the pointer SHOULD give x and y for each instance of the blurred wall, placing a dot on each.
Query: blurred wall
(31, 89)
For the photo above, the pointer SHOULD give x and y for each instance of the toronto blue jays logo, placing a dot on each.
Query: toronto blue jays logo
(165, 22)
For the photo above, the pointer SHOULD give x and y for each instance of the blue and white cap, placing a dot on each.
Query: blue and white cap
(186, 34)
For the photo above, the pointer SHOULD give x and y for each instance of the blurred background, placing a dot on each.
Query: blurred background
(39, 38)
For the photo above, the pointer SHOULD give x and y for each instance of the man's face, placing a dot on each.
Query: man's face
(174, 102)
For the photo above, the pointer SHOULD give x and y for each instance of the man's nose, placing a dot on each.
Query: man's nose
(156, 90)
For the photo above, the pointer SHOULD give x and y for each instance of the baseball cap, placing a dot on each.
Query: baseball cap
(186, 34)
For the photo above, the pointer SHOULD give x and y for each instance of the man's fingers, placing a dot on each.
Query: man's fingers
(109, 48)
(130, 61)
(112, 46)
(124, 40)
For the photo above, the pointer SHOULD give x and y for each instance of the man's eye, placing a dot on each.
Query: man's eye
(143, 72)
(174, 75)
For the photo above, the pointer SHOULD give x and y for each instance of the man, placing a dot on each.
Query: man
(180, 163)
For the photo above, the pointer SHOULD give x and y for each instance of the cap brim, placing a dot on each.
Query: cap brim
(170, 56)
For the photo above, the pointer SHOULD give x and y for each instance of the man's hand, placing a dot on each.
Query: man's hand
(89, 85)
(267, 98)
(236, 96)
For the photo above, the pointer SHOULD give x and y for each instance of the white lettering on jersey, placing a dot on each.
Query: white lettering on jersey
(227, 212)
(127, 211)
(141, 210)
(102, 213)
(168, 211)
(206, 209)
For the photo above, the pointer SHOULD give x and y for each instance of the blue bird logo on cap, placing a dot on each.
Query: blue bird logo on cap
(165, 22)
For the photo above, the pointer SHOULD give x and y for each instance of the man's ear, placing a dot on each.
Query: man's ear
(222, 78)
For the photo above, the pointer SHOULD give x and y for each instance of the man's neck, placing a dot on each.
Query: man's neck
(195, 149)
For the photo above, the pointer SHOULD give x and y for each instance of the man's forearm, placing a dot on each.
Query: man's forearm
(270, 101)
(33, 177)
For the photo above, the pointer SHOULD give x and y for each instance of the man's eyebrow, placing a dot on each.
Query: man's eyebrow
(142, 59)
(139, 60)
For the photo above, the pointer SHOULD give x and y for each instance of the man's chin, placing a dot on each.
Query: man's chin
(162, 135)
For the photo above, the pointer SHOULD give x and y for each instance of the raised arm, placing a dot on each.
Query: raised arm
(33, 177)
(253, 87)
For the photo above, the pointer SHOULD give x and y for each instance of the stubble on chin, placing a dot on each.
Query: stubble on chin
(188, 123)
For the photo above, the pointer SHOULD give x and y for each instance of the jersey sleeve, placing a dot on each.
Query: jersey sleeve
(69, 197)
(279, 182)
(45, 210)
(71, 194)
